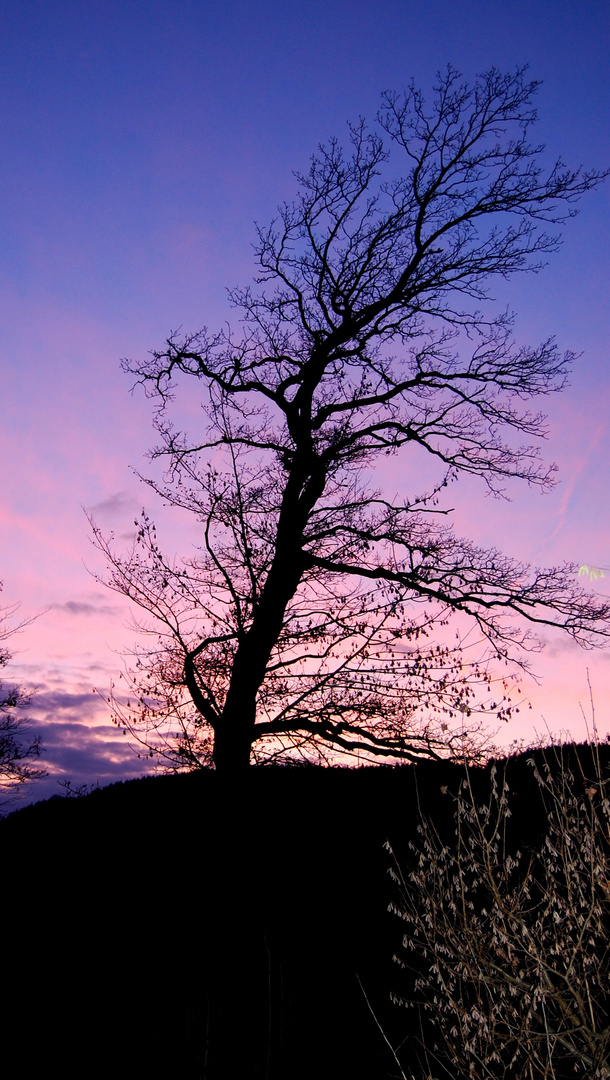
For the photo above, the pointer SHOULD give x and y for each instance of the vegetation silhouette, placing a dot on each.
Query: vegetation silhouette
(20, 748)
(507, 930)
(322, 613)
(153, 932)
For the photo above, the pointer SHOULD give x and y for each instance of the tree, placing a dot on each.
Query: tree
(19, 748)
(314, 615)
(510, 949)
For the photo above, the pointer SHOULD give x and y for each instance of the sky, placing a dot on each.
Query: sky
(140, 140)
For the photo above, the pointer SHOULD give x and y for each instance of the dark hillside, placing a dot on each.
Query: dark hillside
(180, 927)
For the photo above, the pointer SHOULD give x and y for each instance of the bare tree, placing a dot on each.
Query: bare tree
(510, 949)
(311, 617)
(19, 748)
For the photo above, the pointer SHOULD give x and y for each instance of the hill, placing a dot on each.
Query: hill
(180, 926)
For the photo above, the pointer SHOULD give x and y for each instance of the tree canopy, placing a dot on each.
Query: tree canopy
(19, 747)
(322, 612)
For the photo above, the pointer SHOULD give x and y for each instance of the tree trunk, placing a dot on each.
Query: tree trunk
(235, 730)
(232, 744)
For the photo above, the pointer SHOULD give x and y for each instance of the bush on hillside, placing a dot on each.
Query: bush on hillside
(507, 943)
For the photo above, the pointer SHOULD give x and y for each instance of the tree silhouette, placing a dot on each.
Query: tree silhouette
(18, 747)
(314, 616)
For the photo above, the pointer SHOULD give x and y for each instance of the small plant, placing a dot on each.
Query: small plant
(508, 950)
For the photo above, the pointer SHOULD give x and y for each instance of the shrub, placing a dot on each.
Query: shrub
(506, 950)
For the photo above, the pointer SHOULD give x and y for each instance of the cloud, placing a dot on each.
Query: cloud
(117, 505)
(560, 645)
(52, 700)
(78, 607)
(79, 744)
(578, 468)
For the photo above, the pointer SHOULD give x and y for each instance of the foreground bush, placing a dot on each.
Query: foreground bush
(506, 948)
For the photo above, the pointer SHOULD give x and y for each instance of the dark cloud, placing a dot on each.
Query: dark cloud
(83, 753)
(49, 701)
(79, 607)
(94, 666)
(114, 506)
(558, 646)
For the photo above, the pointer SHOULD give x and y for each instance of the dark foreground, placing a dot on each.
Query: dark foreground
(180, 927)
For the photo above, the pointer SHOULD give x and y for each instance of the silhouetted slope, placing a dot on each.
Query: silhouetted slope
(182, 927)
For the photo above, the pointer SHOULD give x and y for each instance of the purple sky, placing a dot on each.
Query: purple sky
(140, 140)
